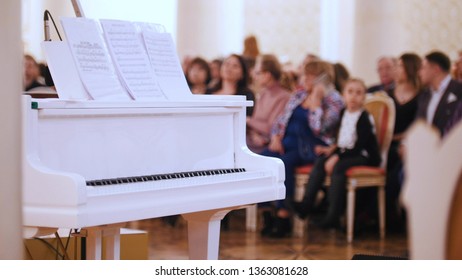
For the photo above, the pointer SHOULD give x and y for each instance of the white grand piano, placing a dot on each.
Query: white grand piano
(94, 165)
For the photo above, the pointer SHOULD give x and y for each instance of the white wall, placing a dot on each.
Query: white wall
(288, 28)
(210, 28)
(11, 246)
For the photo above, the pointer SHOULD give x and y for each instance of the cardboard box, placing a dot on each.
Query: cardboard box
(133, 246)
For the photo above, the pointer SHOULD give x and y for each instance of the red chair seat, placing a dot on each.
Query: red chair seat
(305, 169)
(365, 171)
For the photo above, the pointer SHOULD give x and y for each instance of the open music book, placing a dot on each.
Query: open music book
(115, 60)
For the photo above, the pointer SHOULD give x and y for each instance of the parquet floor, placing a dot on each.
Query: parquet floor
(170, 243)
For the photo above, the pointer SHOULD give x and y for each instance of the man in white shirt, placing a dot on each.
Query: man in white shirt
(439, 101)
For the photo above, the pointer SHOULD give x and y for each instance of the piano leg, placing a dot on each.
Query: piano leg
(94, 243)
(111, 234)
(204, 233)
(112, 237)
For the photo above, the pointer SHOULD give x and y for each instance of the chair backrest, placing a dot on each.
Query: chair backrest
(432, 192)
(382, 109)
(454, 232)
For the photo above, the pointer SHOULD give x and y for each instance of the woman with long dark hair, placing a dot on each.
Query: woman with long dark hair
(407, 89)
(234, 79)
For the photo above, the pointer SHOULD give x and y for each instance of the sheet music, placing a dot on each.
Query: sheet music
(164, 59)
(131, 59)
(92, 59)
(155, 27)
(65, 75)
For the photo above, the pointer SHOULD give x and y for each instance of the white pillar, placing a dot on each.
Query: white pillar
(11, 245)
(338, 31)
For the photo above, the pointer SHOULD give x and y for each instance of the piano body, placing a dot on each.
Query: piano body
(96, 164)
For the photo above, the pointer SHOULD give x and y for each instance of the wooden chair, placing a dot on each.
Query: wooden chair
(432, 193)
(382, 109)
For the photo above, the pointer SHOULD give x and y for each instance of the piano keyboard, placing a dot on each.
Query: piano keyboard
(158, 177)
(176, 180)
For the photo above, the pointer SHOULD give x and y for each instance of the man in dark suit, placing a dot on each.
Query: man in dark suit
(438, 103)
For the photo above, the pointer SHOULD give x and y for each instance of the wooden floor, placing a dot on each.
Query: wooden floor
(168, 242)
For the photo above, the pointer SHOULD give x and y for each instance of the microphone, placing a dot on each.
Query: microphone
(46, 27)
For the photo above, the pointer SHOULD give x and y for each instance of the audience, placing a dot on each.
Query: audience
(309, 119)
(32, 76)
(198, 75)
(405, 95)
(249, 54)
(234, 79)
(457, 71)
(185, 62)
(438, 103)
(385, 68)
(270, 102)
(301, 68)
(289, 80)
(214, 66)
(356, 145)
(455, 119)
(341, 76)
(300, 128)
(251, 49)
(250, 64)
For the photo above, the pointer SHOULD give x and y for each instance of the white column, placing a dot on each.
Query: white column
(32, 27)
(338, 31)
(11, 245)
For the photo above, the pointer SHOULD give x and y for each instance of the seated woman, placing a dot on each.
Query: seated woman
(356, 145)
(215, 66)
(271, 101)
(32, 77)
(198, 76)
(405, 95)
(309, 119)
(234, 79)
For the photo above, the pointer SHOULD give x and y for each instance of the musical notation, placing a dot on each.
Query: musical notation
(92, 59)
(131, 59)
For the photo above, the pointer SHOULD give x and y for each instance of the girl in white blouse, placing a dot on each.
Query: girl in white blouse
(356, 144)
